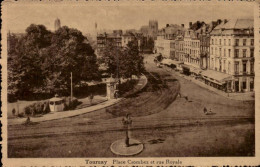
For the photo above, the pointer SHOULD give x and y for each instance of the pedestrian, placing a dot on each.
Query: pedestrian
(13, 111)
(205, 110)
(179, 94)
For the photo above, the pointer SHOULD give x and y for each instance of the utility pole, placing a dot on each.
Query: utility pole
(71, 93)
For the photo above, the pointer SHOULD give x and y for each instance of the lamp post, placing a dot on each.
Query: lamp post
(71, 91)
(127, 121)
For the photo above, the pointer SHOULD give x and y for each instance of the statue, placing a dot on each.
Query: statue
(127, 121)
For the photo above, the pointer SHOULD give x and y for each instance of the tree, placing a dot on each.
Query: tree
(25, 73)
(42, 61)
(123, 62)
(68, 53)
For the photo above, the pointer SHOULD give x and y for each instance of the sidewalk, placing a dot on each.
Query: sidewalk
(65, 114)
(234, 96)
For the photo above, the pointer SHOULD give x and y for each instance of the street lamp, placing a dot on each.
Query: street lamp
(127, 121)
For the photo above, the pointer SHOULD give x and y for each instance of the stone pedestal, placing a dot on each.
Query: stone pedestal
(111, 88)
(119, 147)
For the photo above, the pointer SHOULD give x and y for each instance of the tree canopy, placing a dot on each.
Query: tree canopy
(123, 61)
(43, 60)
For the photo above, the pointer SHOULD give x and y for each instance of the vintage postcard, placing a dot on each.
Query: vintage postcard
(130, 83)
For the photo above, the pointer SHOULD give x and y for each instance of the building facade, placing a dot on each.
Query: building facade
(126, 38)
(192, 48)
(166, 42)
(165, 47)
(179, 48)
(232, 53)
(103, 39)
(204, 38)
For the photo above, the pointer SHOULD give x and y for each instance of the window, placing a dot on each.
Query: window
(212, 51)
(224, 65)
(229, 52)
(215, 51)
(252, 42)
(228, 66)
(236, 53)
(244, 42)
(236, 67)
(224, 52)
(224, 41)
(244, 84)
(215, 41)
(237, 42)
(244, 52)
(212, 41)
(229, 42)
(219, 41)
(244, 67)
(252, 85)
(252, 67)
(251, 52)
(219, 51)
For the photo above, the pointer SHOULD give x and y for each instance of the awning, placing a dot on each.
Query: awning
(195, 70)
(215, 76)
(186, 66)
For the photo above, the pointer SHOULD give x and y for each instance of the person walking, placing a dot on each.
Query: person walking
(205, 110)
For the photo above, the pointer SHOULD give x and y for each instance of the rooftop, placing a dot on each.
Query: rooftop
(237, 24)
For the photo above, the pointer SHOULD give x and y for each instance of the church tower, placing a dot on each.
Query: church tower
(57, 24)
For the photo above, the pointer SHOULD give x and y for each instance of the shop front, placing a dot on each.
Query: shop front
(217, 80)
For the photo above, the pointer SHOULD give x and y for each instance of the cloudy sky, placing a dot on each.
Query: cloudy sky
(114, 16)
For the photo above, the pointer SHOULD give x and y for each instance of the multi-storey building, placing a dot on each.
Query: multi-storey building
(117, 38)
(165, 47)
(232, 53)
(192, 48)
(126, 38)
(166, 43)
(179, 48)
(204, 38)
(114, 38)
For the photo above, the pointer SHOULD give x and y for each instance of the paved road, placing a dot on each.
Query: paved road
(167, 128)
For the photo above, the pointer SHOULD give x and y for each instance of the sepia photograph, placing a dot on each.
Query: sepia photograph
(111, 80)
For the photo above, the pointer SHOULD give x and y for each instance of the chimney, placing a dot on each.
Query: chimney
(190, 24)
(219, 21)
(182, 25)
(225, 21)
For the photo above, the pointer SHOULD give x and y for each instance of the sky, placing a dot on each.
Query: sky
(83, 17)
